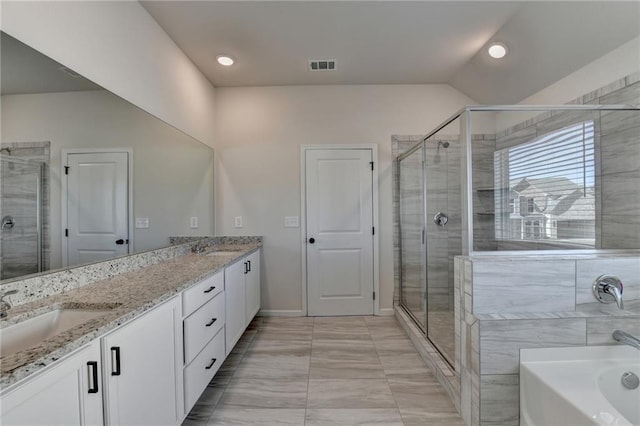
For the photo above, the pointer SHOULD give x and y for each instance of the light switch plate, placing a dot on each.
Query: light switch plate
(291, 221)
(194, 222)
(142, 222)
(238, 221)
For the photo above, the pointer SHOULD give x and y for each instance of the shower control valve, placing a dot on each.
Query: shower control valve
(440, 219)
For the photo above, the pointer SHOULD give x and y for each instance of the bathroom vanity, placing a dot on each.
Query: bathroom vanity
(138, 347)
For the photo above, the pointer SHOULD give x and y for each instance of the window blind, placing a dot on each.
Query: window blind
(545, 188)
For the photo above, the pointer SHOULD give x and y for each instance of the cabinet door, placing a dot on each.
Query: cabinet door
(60, 395)
(253, 286)
(141, 369)
(235, 301)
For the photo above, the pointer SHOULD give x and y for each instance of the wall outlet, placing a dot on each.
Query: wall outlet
(291, 221)
(142, 222)
(238, 221)
(194, 222)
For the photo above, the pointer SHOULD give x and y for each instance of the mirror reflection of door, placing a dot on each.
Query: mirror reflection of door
(97, 207)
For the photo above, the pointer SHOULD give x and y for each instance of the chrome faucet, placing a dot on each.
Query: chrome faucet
(626, 339)
(4, 305)
(608, 289)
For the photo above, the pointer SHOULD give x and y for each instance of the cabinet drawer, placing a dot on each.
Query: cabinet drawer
(199, 373)
(202, 325)
(200, 293)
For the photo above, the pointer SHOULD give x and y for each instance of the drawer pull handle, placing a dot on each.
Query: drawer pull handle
(210, 323)
(92, 366)
(210, 289)
(115, 350)
(213, 361)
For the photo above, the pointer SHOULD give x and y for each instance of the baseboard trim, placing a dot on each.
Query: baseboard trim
(279, 313)
(386, 312)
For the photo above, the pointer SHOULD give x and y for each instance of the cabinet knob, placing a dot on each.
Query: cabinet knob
(312, 240)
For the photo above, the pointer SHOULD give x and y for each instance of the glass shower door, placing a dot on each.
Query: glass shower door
(443, 236)
(412, 238)
(20, 213)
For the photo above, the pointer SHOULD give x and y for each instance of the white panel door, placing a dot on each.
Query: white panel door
(97, 207)
(339, 216)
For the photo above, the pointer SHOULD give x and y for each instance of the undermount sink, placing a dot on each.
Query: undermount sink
(32, 332)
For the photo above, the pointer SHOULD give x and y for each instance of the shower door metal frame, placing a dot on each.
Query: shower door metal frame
(425, 265)
(467, 174)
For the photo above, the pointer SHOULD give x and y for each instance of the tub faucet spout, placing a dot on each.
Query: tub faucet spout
(626, 339)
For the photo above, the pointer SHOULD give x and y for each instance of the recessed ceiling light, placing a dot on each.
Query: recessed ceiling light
(225, 60)
(497, 50)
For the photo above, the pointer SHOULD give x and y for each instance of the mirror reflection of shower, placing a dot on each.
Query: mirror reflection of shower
(21, 201)
(443, 144)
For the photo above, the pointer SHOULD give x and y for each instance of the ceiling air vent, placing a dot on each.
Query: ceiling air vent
(322, 65)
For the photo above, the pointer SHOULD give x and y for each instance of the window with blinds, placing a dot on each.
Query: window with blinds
(545, 189)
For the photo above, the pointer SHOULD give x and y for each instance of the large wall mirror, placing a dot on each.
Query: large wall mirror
(86, 176)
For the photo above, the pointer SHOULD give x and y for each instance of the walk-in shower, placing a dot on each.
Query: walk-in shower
(21, 213)
(514, 180)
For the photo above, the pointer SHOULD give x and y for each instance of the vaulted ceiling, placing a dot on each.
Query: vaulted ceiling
(398, 42)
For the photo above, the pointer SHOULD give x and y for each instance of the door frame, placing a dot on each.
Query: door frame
(303, 217)
(64, 156)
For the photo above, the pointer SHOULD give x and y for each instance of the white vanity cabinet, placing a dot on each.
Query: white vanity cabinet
(66, 393)
(150, 370)
(142, 368)
(252, 282)
(242, 294)
(204, 344)
(235, 298)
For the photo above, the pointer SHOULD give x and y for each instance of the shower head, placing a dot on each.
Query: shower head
(443, 144)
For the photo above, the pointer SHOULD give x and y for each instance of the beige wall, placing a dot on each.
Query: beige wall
(119, 46)
(172, 172)
(259, 131)
(618, 63)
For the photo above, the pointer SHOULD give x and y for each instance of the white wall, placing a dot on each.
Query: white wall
(172, 173)
(259, 131)
(119, 46)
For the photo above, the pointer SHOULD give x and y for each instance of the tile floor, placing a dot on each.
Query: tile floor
(324, 371)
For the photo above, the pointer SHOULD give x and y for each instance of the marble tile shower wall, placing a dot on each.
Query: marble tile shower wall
(18, 246)
(542, 302)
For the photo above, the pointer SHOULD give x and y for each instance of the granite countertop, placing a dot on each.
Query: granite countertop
(125, 296)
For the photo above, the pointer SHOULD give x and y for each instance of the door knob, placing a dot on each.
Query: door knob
(312, 240)
(120, 242)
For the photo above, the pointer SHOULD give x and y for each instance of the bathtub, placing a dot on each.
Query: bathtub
(578, 386)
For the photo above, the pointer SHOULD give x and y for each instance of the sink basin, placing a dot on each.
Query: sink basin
(32, 332)
(224, 253)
